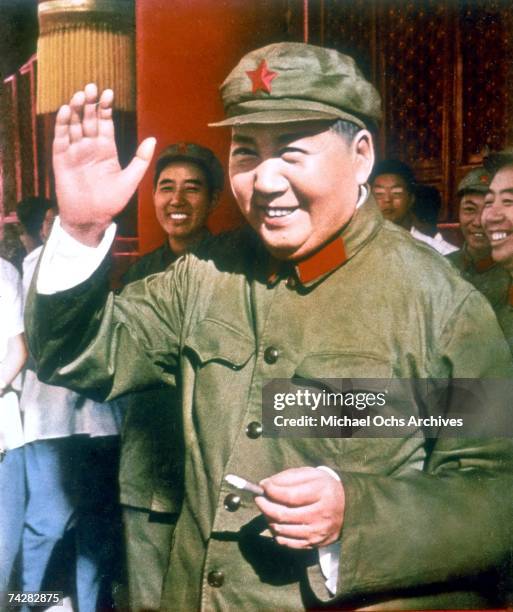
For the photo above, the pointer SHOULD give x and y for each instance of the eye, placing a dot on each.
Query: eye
(242, 152)
(291, 153)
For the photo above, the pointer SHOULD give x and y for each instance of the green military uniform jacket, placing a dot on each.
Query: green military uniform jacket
(494, 282)
(151, 462)
(504, 312)
(486, 275)
(427, 523)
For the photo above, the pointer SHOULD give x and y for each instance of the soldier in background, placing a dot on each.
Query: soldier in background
(187, 184)
(497, 220)
(394, 187)
(474, 260)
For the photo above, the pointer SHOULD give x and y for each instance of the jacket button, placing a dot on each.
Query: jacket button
(215, 578)
(271, 355)
(291, 282)
(254, 430)
(232, 502)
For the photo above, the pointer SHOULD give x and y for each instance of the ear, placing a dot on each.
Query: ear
(363, 149)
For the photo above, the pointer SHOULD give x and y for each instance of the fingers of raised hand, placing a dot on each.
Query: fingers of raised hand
(61, 140)
(85, 116)
(135, 170)
(75, 123)
(105, 123)
(90, 119)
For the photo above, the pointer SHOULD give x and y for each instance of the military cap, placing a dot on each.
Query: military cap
(287, 82)
(495, 160)
(478, 180)
(192, 152)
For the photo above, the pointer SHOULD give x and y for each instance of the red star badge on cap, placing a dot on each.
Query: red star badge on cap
(262, 77)
(483, 178)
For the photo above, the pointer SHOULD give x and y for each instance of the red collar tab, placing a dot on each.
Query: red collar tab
(329, 258)
(261, 78)
(510, 294)
(484, 264)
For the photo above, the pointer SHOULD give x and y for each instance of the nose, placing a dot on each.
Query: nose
(491, 214)
(269, 181)
(175, 197)
(477, 222)
(387, 196)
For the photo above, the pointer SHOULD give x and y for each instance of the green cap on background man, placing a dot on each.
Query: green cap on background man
(475, 181)
(195, 153)
(289, 82)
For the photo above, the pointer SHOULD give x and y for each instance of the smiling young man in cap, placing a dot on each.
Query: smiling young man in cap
(187, 183)
(474, 259)
(497, 220)
(319, 285)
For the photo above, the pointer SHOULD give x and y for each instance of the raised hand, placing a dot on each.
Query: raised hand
(303, 506)
(91, 187)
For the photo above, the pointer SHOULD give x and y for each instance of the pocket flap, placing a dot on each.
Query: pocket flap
(214, 340)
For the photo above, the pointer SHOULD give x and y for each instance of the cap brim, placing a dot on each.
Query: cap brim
(473, 189)
(285, 116)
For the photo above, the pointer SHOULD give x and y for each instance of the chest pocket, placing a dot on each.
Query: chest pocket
(219, 342)
(344, 364)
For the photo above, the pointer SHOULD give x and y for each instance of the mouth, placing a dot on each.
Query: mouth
(278, 212)
(177, 216)
(388, 212)
(497, 237)
(277, 216)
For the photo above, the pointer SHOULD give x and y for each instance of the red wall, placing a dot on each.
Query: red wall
(184, 50)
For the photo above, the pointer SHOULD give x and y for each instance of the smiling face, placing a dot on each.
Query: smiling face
(497, 217)
(393, 197)
(182, 200)
(297, 184)
(470, 211)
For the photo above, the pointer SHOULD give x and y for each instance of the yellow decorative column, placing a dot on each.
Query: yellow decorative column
(83, 41)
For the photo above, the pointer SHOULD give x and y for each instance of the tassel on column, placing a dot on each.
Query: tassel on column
(83, 41)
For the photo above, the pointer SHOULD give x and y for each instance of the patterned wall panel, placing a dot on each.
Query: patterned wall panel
(348, 26)
(485, 41)
(414, 48)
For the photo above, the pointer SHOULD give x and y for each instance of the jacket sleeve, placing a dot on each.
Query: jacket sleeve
(103, 345)
(453, 519)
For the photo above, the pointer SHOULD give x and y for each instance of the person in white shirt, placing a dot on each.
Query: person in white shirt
(13, 354)
(393, 186)
(71, 458)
